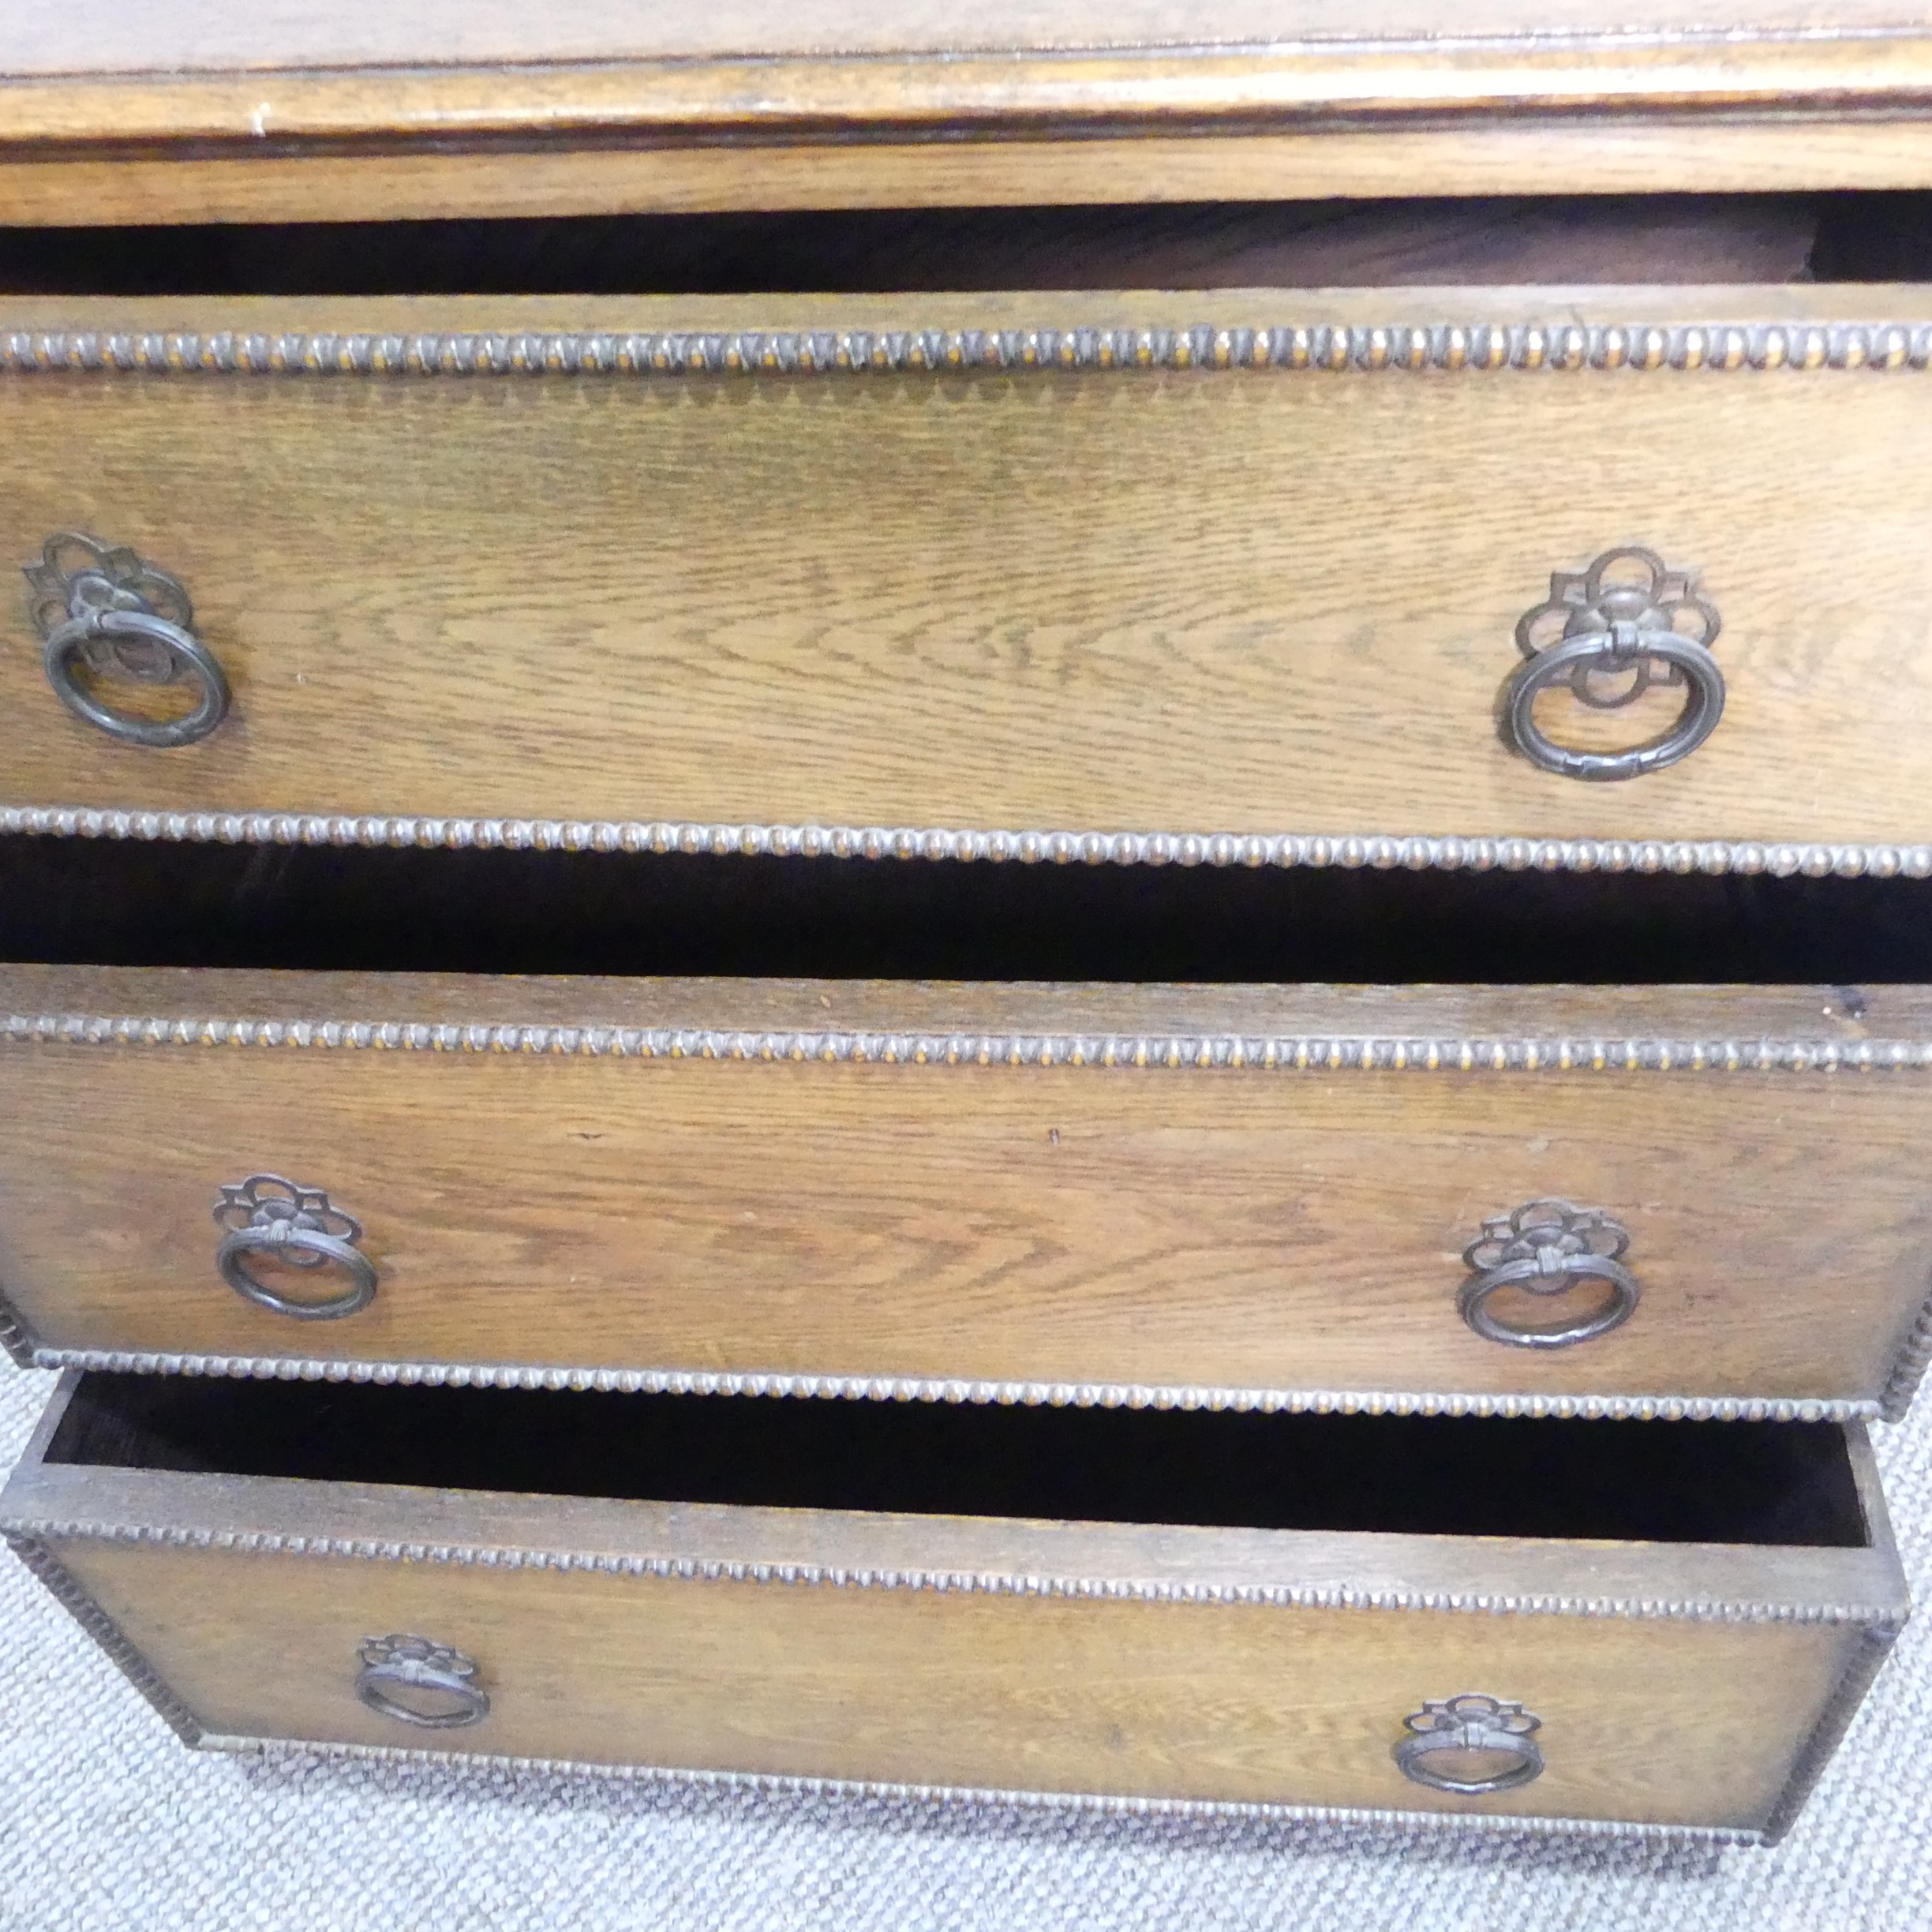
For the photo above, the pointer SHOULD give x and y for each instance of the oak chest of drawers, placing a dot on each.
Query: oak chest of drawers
(1376, 1398)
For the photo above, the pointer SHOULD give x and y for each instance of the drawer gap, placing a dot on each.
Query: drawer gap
(107, 903)
(1603, 239)
(1776, 1484)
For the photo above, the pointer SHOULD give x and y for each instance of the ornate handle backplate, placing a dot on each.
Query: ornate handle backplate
(420, 1681)
(108, 613)
(1610, 632)
(265, 1215)
(1548, 1248)
(1470, 1744)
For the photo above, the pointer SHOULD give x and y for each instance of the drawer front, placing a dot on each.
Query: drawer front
(1279, 602)
(1275, 1611)
(1654, 1721)
(710, 1206)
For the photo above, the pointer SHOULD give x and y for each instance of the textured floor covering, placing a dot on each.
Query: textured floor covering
(106, 1822)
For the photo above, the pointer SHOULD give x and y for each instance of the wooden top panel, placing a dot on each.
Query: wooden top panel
(131, 36)
(286, 110)
(120, 71)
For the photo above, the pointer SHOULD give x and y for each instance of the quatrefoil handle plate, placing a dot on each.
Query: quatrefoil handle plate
(417, 1681)
(1548, 1249)
(267, 1215)
(1470, 1744)
(1609, 633)
(106, 614)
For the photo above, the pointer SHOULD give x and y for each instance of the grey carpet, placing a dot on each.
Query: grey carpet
(106, 1822)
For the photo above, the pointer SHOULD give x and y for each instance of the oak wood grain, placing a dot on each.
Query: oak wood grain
(764, 106)
(1660, 1717)
(1659, 1723)
(1581, 154)
(1166, 600)
(1001, 92)
(277, 112)
(1285, 1230)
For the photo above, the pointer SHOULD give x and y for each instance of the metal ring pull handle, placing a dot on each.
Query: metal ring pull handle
(1547, 1248)
(103, 609)
(1610, 636)
(419, 1681)
(265, 1215)
(1452, 1745)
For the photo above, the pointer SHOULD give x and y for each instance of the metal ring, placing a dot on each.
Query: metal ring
(67, 641)
(1411, 1753)
(278, 1237)
(1559, 663)
(420, 1676)
(1474, 1300)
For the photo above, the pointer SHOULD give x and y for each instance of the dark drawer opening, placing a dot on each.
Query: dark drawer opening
(78, 901)
(1766, 1483)
(1519, 240)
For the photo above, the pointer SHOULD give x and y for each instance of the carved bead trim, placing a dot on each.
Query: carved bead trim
(954, 1389)
(777, 1784)
(17, 1337)
(1559, 345)
(1867, 1655)
(1273, 1053)
(989, 1583)
(1382, 852)
(74, 1599)
(1908, 1371)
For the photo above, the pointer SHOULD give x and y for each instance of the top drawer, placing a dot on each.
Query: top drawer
(1241, 576)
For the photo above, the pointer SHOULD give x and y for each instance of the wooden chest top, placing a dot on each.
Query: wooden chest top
(110, 110)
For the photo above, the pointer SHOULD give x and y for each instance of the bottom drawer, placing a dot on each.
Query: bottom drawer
(1661, 1623)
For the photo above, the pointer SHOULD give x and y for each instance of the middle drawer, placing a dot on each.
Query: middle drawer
(1603, 1199)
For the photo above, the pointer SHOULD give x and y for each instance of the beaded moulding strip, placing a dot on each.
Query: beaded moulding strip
(1380, 852)
(73, 1598)
(950, 1389)
(1284, 1053)
(947, 1796)
(967, 1582)
(1443, 346)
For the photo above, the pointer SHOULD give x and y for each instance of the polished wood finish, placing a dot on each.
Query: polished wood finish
(1285, 1230)
(235, 112)
(1054, 1660)
(1583, 155)
(1157, 600)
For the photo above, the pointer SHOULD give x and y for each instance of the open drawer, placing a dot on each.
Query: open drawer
(1648, 1623)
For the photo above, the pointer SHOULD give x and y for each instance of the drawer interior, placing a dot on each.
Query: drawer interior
(1601, 239)
(105, 903)
(1769, 1483)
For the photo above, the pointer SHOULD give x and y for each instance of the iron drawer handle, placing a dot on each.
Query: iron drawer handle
(266, 1214)
(1547, 1248)
(101, 607)
(1465, 1724)
(1610, 635)
(417, 1665)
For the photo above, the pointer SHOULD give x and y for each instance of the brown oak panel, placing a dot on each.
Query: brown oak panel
(1159, 600)
(1649, 1719)
(1223, 1226)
